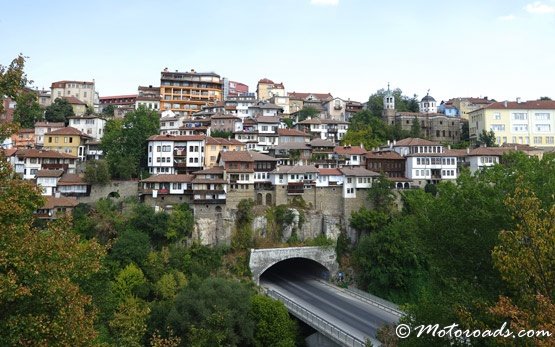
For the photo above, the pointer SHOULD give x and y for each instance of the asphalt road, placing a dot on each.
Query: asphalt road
(354, 316)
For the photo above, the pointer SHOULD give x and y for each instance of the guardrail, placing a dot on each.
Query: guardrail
(368, 298)
(321, 325)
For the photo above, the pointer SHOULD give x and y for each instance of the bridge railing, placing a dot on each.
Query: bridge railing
(321, 325)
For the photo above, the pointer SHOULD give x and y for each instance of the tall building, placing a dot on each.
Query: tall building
(516, 122)
(233, 89)
(186, 92)
(82, 91)
(266, 88)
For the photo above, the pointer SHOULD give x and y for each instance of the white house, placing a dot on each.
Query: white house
(27, 162)
(47, 180)
(329, 178)
(169, 154)
(356, 178)
(42, 128)
(93, 126)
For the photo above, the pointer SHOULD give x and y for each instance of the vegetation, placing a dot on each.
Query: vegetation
(307, 113)
(487, 138)
(108, 111)
(222, 133)
(59, 111)
(27, 111)
(97, 172)
(125, 142)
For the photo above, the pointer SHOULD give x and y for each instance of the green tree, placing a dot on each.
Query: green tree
(129, 323)
(108, 110)
(12, 81)
(273, 326)
(59, 111)
(415, 130)
(545, 98)
(487, 138)
(213, 312)
(180, 222)
(130, 281)
(27, 111)
(170, 284)
(403, 103)
(222, 134)
(132, 246)
(307, 113)
(243, 234)
(97, 172)
(125, 142)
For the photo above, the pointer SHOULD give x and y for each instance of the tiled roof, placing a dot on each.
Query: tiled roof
(61, 84)
(384, 155)
(213, 170)
(73, 100)
(523, 105)
(169, 179)
(9, 152)
(209, 181)
(236, 156)
(265, 80)
(48, 124)
(261, 157)
(35, 153)
(67, 131)
(495, 151)
(71, 179)
(413, 141)
(291, 132)
(358, 171)
(521, 147)
(49, 173)
(169, 137)
(321, 143)
(268, 119)
(303, 96)
(455, 152)
(225, 116)
(295, 169)
(223, 141)
(292, 145)
(350, 150)
(26, 131)
(329, 172)
(53, 202)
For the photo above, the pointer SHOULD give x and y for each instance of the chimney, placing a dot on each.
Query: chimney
(394, 142)
(467, 150)
(518, 100)
(388, 142)
(361, 146)
(505, 103)
(448, 147)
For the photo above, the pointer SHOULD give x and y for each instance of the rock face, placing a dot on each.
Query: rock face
(219, 230)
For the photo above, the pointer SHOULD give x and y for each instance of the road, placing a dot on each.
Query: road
(357, 317)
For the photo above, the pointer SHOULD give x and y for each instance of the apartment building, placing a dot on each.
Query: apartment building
(516, 122)
(27, 162)
(67, 140)
(81, 90)
(325, 129)
(215, 145)
(186, 92)
(266, 88)
(92, 126)
(175, 154)
(148, 97)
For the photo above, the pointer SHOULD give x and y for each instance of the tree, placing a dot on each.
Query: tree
(59, 111)
(415, 130)
(97, 172)
(213, 312)
(129, 323)
(27, 110)
(545, 98)
(307, 113)
(487, 138)
(222, 134)
(125, 142)
(403, 103)
(12, 81)
(132, 246)
(273, 327)
(180, 222)
(108, 110)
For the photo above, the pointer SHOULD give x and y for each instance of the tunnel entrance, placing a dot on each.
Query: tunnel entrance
(294, 269)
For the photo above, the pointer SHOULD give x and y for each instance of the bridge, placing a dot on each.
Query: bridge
(298, 277)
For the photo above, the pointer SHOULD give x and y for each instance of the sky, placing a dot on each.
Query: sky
(501, 49)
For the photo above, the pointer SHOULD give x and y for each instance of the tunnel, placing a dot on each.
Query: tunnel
(294, 269)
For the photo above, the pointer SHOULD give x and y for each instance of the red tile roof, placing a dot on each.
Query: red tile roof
(49, 124)
(358, 171)
(384, 155)
(71, 180)
(169, 137)
(350, 150)
(49, 173)
(61, 84)
(35, 153)
(169, 179)
(291, 132)
(412, 141)
(222, 141)
(531, 105)
(329, 172)
(53, 202)
(67, 131)
(303, 96)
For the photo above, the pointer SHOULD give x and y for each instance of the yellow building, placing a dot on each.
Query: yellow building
(186, 92)
(66, 140)
(215, 144)
(529, 122)
(467, 105)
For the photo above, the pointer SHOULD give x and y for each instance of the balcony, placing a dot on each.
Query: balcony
(209, 201)
(295, 188)
(63, 167)
(179, 153)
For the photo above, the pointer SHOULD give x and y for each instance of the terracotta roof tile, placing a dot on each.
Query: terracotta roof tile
(295, 169)
(71, 179)
(67, 131)
(73, 100)
(412, 141)
(358, 171)
(169, 179)
(350, 150)
(35, 153)
(329, 172)
(178, 138)
(53, 202)
(49, 173)
(291, 132)
(384, 155)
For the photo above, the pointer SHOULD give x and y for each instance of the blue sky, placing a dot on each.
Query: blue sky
(498, 48)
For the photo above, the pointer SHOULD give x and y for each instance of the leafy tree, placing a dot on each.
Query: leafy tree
(487, 138)
(415, 130)
(222, 133)
(170, 284)
(307, 113)
(89, 111)
(545, 98)
(289, 122)
(129, 323)
(213, 312)
(132, 246)
(97, 172)
(155, 224)
(403, 103)
(242, 236)
(12, 81)
(130, 281)
(27, 110)
(108, 110)
(180, 222)
(125, 142)
(273, 327)
(41, 300)
(59, 111)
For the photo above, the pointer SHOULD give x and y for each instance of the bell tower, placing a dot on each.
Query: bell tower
(388, 113)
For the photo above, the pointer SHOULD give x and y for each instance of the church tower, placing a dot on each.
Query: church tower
(388, 113)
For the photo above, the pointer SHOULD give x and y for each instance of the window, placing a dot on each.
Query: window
(549, 140)
(497, 116)
(49, 139)
(520, 116)
(349, 180)
(158, 160)
(537, 140)
(520, 127)
(498, 127)
(543, 128)
(543, 116)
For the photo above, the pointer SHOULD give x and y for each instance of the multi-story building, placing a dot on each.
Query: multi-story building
(435, 126)
(292, 135)
(356, 178)
(8, 108)
(266, 88)
(93, 126)
(42, 128)
(225, 122)
(123, 101)
(242, 103)
(351, 108)
(27, 162)
(264, 109)
(170, 123)
(83, 91)
(67, 140)
(351, 155)
(467, 105)
(517, 122)
(326, 129)
(335, 109)
(148, 97)
(267, 132)
(215, 145)
(186, 92)
(166, 190)
(389, 163)
(55, 207)
(281, 101)
(47, 180)
(298, 101)
(169, 154)
(233, 89)
(24, 138)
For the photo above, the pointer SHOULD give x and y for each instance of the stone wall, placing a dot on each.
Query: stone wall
(123, 188)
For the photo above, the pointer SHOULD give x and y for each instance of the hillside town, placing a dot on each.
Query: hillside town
(219, 143)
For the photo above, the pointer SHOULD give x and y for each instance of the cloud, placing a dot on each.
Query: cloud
(539, 8)
(324, 2)
(507, 17)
